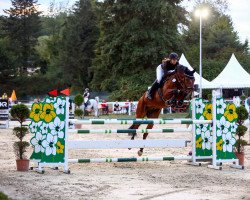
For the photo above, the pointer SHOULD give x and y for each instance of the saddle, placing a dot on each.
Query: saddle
(86, 104)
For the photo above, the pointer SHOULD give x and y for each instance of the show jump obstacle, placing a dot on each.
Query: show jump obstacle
(50, 127)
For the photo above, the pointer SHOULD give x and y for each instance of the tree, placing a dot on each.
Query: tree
(134, 37)
(78, 42)
(220, 39)
(22, 27)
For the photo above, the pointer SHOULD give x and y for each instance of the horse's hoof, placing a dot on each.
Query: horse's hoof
(140, 153)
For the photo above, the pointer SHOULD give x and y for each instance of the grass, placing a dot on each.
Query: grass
(3, 196)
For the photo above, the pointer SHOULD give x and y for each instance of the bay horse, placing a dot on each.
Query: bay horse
(176, 86)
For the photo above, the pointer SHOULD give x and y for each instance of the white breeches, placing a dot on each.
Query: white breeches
(85, 99)
(159, 73)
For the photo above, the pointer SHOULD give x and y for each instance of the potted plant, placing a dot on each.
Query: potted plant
(243, 98)
(20, 112)
(78, 102)
(240, 132)
(78, 111)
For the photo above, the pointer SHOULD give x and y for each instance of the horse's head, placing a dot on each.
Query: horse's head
(185, 77)
(179, 85)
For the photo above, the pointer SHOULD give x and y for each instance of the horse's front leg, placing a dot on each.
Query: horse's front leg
(145, 135)
(134, 126)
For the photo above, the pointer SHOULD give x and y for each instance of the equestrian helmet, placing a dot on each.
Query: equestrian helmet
(173, 56)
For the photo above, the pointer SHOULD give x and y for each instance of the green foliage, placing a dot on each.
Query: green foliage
(243, 98)
(20, 112)
(78, 41)
(20, 148)
(3, 196)
(79, 112)
(22, 27)
(134, 37)
(219, 40)
(242, 114)
(20, 132)
(78, 100)
(241, 129)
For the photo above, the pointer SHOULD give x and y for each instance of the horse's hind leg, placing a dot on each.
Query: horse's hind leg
(151, 114)
(140, 113)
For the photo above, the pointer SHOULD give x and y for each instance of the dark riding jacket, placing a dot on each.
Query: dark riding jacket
(168, 66)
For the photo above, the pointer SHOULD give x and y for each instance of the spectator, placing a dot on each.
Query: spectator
(117, 106)
(4, 96)
(104, 107)
(126, 106)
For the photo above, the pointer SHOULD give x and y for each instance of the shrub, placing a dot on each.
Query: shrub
(78, 100)
(241, 129)
(20, 112)
(79, 112)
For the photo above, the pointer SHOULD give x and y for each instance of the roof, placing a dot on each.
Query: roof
(183, 61)
(232, 76)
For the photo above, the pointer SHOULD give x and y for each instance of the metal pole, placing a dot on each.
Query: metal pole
(200, 95)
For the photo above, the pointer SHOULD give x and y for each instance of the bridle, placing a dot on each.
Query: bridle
(181, 82)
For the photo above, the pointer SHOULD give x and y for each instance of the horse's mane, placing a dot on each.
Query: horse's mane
(185, 70)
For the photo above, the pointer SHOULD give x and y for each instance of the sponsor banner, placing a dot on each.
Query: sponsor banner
(4, 105)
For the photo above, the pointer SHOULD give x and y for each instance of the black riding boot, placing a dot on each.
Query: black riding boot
(151, 91)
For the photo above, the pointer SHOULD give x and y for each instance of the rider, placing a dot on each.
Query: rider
(168, 64)
(86, 95)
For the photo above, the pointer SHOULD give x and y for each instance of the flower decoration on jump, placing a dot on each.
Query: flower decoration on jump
(201, 127)
(57, 127)
(44, 128)
(219, 145)
(206, 140)
(228, 142)
(220, 106)
(208, 111)
(48, 113)
(59, 106)
(36, 111)
(59, 147)
(230, 112)
(223, 126)
(199, 143)
(50, 144)
(233, 127)
(34, 126)
(36, 141)
(199, 106)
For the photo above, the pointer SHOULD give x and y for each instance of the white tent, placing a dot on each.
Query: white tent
(232, 76)
(205, 83)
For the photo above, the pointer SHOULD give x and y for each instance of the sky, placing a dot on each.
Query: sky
(239, 10)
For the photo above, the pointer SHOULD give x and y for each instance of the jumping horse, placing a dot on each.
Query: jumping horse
(176, 86)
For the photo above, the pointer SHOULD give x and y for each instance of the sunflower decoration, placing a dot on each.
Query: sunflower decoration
(219, 145)
(48, 113)
(199, 143)
(208, 111)
(230, 112)
(59, 147)
(36, 111)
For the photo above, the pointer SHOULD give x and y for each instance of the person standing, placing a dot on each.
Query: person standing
(86, 96)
